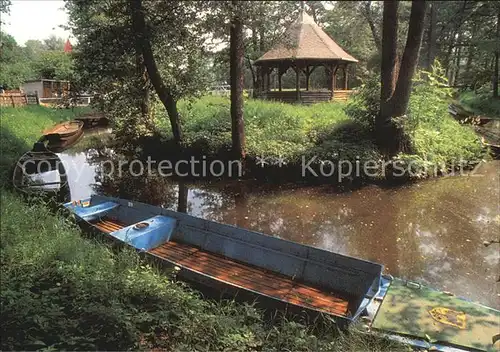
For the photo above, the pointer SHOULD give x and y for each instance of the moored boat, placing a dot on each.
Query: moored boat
(286, 273)
(60, 137)
(63, 129)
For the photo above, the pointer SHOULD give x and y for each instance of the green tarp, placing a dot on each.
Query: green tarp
(420, 312)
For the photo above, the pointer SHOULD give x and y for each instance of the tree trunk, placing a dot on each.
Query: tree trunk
(236, 73)
(497, 52)
(470, 56)
(394, 101)
(409, 61)
(447, 58)
(143, 88)
(182, 198)
(389, 61)
(255, 48)
(456, 75)
(164, 92)
(431, 37)
(369, 18)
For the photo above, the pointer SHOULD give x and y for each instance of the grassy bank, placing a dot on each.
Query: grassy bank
(275, 129)
(480, 103)
(327, 132)
(62, 291)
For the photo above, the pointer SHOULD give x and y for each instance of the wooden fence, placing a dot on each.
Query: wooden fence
(13, 99)
(17, 98)
(342, 95)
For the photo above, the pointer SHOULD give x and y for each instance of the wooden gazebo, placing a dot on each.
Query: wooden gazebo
(303, 48)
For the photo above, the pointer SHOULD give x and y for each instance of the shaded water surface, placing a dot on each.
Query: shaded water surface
(431, 232)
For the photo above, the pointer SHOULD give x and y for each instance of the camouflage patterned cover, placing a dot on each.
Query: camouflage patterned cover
(436, 317)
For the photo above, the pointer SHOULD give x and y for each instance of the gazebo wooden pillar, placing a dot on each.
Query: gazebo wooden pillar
(304, 48)
(346, 77)
(297, 82)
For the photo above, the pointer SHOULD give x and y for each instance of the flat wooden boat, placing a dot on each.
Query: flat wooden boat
(225, 256)
(64, 129)
(60, 137)
(309, 279)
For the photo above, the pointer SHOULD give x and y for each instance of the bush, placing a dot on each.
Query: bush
(272, 128)
(480, 103)
(438, 141)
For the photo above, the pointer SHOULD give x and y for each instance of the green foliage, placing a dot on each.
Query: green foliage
(364, 105)
(33, 61)
(347, 24)
(53, 65)
(14, 67)
(272, 129)
(108, 63)
(436, 136)
(439, 141)
(480, 103)
(465, 41)
(53, 43)
(430, 97)
(4, 8)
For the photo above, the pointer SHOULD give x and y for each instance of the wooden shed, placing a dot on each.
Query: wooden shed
(304, 48)
(46, 88)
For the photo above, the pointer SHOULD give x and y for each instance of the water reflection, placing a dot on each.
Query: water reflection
(431, 232)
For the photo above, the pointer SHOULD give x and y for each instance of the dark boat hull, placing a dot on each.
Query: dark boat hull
(57, 144)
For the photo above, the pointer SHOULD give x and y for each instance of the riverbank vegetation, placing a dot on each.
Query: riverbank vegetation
(480, 103)
(60, 290)
(326, 131)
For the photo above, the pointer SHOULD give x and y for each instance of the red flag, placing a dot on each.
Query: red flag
(68, 47)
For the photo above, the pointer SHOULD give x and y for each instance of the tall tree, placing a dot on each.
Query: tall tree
(54, 43)
(112, 64)
(14, 67)
(236, 74)
(368, 14)
(497, 54)
(395, 97)
(431, 36)
(164, 92)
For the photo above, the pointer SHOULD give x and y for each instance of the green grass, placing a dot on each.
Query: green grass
(59, 290)
(273, 129)
(438, 142)
(480, 103)
(324, 130)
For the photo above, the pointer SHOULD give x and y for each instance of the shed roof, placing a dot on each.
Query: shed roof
(303, 40)
(44, 80)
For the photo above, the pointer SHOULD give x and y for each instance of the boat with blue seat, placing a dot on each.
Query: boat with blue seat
(296, 276)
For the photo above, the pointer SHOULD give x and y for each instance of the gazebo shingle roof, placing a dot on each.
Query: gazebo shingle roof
(304, 39)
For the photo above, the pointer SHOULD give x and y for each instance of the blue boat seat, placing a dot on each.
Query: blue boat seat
(94, 211)
(156, 230)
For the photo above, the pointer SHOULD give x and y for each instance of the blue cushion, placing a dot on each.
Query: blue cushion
(158, 231)
(94, 211)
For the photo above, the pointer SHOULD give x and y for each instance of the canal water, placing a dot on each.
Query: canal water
(431, 232)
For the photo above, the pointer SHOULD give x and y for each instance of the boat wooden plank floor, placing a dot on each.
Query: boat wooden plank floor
(242, 275)
(250, 277)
